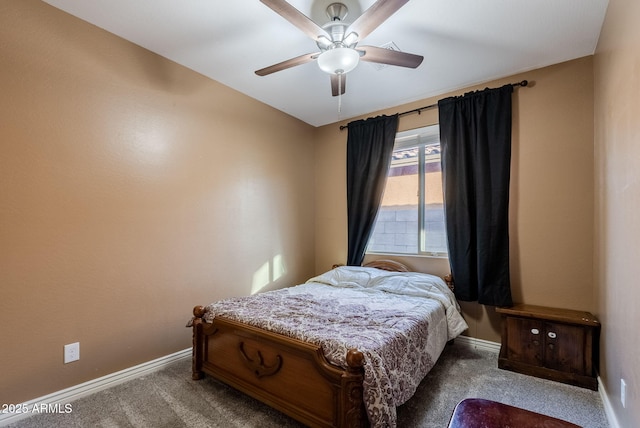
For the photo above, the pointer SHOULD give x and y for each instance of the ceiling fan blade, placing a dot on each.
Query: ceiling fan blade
(338, 83)
(297, 18)
(299, 60)
(374, 16)
(388, 56)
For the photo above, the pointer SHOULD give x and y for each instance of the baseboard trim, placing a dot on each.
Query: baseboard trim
(608, 408)
(87, 388)
(473, 342)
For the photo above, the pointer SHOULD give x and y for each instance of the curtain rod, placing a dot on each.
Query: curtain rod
(419, 110)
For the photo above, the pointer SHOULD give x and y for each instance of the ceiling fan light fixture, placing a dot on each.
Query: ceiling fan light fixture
(351, 38)
(338, 60)
(324, 42)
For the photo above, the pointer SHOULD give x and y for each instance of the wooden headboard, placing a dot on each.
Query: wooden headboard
(390, 265)
(394, 266)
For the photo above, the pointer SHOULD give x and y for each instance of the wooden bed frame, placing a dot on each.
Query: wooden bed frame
(289, 375)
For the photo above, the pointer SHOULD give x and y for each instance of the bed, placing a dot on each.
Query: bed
(341, 350)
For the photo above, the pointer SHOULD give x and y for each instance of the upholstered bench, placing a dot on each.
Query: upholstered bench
(479, 413)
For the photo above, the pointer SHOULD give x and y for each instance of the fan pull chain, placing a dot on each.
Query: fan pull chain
(340, 93)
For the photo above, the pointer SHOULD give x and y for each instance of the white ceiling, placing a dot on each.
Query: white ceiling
(464, 42)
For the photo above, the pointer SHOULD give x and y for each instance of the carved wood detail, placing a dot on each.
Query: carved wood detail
(257, 365)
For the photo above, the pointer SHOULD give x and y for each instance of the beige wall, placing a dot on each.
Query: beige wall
(551, 200)
(131, 189)
(617, 204)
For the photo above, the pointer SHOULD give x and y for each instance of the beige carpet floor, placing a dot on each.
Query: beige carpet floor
(169, 398)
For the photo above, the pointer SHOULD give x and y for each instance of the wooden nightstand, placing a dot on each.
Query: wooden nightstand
(551, 343)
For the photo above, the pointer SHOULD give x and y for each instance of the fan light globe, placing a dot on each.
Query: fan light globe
(338, 60)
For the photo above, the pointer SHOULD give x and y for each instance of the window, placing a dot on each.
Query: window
(411, 215)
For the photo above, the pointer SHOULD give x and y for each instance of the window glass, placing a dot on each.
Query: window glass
(411, 215)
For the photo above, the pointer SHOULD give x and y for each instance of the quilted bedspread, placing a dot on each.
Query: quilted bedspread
(400, 321)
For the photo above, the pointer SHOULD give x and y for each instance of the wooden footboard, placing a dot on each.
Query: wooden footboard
(286, 374)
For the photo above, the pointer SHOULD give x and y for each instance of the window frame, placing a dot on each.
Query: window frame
(409, 139)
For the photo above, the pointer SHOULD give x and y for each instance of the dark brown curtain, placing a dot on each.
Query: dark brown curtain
(475, 138)
(369, 149)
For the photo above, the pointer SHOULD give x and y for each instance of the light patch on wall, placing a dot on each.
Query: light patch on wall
(260, 278)
(145, 139)
(150, 145)
(278, 268)
(269, 272)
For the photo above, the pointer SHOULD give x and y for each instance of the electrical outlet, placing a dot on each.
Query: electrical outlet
(623, 392)
(71, 352)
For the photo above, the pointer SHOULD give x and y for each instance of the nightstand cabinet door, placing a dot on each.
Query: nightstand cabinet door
(564, 347)
(525, 340)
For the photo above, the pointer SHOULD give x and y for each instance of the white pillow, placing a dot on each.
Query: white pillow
(348, 276)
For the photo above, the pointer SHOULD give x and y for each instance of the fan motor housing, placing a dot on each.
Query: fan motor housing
(337, 11)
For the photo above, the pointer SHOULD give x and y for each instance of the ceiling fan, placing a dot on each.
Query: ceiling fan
(338, 39)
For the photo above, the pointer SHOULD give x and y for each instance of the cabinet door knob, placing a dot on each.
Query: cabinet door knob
(535, 331)
(552, 335)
